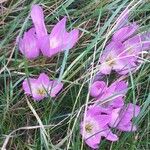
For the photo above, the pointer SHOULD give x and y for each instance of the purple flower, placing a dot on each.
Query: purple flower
(94, 126)
(41, 87)
(37, 39)
(122, 117)
(112, 59)
(109, 97)
(121, 54)
(114, 95)
(28, 45)
(59, 39)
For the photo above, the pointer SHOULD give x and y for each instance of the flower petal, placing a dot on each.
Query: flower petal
(128, 127)
(55, 88)
(58, 33)
(117, 102)
(105, 68)
(38, 20)
(26, 85)
(103, 120)
(72, 39)
(125, 32)
(109, 135)
(54, 43)
(93, 141)
(28, 45)
(44, 80)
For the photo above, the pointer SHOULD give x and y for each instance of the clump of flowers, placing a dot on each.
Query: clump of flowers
(122, 53)
(109, 110)
(109, 96)
(37, 39)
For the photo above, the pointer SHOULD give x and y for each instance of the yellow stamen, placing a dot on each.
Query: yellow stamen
(41, 91)
(88, 128)
(110, 61)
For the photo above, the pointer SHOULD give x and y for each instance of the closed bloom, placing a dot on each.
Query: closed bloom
(97, 88)
(28, 45)
(41, 87)
(122, 117)
(94, 126)
(58, 40)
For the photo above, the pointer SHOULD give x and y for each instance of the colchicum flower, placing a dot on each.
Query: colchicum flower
(111, 96)
(58, 40)
(94, 126)
(41, 87)
(37, 39)
(28, 45)
(108, 111)
(121, 117)
(121, 54)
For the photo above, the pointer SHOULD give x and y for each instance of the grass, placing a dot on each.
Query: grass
(54, 123)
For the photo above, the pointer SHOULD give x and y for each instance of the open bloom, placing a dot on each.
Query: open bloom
(121, 54)
(122, 117)
(112, 59)
(41, 87)
(109, 96)
(94, 126)
(58, 40)
(28, 45)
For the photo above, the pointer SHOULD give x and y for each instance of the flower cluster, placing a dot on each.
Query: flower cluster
(108, 109)
(37, 40)
(122, 53)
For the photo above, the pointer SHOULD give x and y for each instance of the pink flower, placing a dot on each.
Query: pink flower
(28, 45)
(121, 117)
(114, 95)
(112, 59)
(94, 126)
(59, 39)
(109, 96)
(41, 87)
(121, 54)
